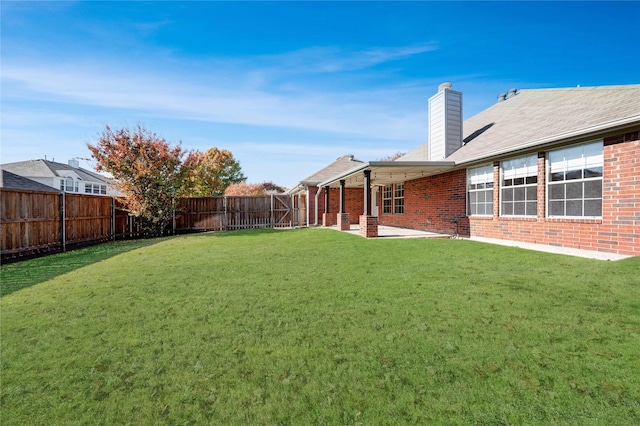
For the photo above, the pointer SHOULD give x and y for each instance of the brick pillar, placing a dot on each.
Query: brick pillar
(368, 226)
(328, 219)
(343, 221)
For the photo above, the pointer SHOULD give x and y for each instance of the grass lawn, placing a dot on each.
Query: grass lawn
(314, 326)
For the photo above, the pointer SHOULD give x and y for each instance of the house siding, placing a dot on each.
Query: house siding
(617, 232)
(433, 203)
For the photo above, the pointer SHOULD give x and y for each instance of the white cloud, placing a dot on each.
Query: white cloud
(373, 113)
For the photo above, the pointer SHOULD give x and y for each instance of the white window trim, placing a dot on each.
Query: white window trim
(523, 172)
(585, 163)
(488, 171)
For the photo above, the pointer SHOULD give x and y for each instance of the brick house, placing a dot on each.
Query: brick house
(557, 167)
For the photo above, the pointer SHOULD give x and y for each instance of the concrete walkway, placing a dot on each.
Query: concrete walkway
(392, 232)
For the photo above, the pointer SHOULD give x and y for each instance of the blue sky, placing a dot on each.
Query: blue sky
(287, 86)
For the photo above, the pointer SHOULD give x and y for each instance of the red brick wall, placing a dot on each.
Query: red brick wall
(353, 199)
(617, 232)
(432, 204)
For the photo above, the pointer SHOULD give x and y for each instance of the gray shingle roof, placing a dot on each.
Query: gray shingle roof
(342, 164)
(45, 168)
(13, 181)
(541, 116)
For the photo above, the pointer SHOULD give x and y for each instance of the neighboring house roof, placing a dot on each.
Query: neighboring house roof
(13, 181)
(342, 164)
(45, 169)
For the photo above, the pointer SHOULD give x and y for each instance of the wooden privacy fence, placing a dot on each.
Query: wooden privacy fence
(34, 222)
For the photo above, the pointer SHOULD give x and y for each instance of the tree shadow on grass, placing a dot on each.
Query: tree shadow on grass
(27, 273)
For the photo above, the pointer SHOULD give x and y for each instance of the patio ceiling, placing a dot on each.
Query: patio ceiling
(388, 172)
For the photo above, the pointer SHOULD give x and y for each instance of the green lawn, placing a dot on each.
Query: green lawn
(314, 326)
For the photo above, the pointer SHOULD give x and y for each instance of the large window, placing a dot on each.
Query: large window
(519, 190)
(575, 181)
(480, 187)
(393, 199)
(398, 198)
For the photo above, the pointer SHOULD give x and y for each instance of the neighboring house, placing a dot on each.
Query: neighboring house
(309, 194)
(556, 167)
(64, 177)
(10, 180)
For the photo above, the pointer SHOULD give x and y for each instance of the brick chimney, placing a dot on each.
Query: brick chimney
(445, 122)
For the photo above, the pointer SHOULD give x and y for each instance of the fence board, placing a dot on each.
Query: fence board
(32, 221)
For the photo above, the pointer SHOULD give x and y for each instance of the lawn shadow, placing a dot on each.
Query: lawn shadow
(19, 275)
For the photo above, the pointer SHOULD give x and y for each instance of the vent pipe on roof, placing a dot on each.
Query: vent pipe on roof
(511, 93)
(502, 97)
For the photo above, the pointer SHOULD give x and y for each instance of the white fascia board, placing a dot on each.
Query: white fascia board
(556, 139)
(359, 168)
(390, 165)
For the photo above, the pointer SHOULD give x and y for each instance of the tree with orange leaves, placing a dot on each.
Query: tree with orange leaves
(152, 174)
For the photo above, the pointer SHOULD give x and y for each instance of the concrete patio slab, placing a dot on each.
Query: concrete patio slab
(393, 232)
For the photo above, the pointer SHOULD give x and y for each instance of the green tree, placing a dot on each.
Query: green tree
(211, 172)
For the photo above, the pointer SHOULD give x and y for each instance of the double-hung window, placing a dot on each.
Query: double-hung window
(574, 187)
(393, 199)
(387, 199)
(398, 198)
(519, 189)
(480, 191)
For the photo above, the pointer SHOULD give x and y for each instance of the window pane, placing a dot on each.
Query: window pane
(507, 194)
(556, 191)
(473, 197)
(574, 174)
(507, 182)
(532, 208)
(574, 207)
(519, 194)
(519, 208)
(518, 181)
(557, 177)
(574, 190)
(593, 208)
(556, 208)
(507, 209)
(532, 179)
(87, 188)
(593, 189)
(532, 193)
(593, 172)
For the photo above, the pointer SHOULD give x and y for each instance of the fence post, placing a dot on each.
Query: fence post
(224, 220)
(63, 215)
(113, 218)
(272, 215)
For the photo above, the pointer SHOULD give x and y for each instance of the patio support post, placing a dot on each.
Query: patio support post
(326, 218)
(367, 192)
(342, 216)
(368, 223)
